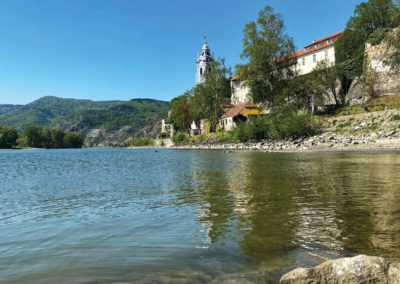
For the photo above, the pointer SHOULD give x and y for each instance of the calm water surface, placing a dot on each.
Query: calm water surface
(172, 216)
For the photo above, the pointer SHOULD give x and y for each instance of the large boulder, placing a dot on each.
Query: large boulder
(358, 269)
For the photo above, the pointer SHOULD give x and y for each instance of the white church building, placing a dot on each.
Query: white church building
(203, 62)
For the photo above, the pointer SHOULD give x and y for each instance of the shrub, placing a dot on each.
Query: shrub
(73, 140)
(139, 142)
(225, 137)
(8, 136)
(162, 135)
(284, 122)
(180, 137)
(395, 117)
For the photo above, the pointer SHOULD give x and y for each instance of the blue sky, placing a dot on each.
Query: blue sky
(125, 49)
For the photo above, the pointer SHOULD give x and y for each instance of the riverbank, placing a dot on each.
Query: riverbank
(370, 131)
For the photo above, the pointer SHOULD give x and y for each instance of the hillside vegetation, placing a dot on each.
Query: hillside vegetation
(106, 123)
(44, 111)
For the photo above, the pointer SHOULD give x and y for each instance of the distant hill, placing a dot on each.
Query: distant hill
(100, 123)
(7, 108)
(46, 109)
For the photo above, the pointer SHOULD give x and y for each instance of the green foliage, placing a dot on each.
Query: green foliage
(302, 89)
(350, 44)
(378, 36)
(8, 137)
(179, 114)
(139, 142)
(395, 117)
(268, 51)
(225, 136)
(73, 140)
(372, 15)
(162, 135)
(180, 137)
(33, 136)
(37, 137)
(7, 108)
(44, 111)
(208, 97)
(137, 113)
(283, 123)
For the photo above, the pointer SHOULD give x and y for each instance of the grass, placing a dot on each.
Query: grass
(378, 104)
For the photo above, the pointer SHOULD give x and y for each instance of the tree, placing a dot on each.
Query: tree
(8, 136)
(327, 78)
(179, 115)
(33, 136)
(58, 138)
(372, 15)
(268, 51)
(73, 140)
(304, 92)
(210, 96)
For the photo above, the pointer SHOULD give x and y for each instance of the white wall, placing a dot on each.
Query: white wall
(309, 63)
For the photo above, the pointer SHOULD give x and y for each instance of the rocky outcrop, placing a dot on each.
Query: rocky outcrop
(358, 269)
(357, 94)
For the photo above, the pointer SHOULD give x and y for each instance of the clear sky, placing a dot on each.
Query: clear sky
(125, 49)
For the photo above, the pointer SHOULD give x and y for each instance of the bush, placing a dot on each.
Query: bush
(180, 137)
(162, 135)
(8, 136)
(139, 142)
(395, 117)
(73, 140)
(225, 137)
(285, 122)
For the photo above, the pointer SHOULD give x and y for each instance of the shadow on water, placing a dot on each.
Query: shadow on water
(191, 216)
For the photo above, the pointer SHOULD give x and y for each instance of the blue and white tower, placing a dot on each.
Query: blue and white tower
(203, 62)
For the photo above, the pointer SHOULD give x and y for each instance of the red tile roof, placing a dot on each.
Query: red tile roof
(234, 78)
(237, 109)
(323, 42)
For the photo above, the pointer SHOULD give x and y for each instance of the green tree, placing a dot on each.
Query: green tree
(210, 96)
(58, 138)
(73, 140)
(327, 78)
(179, 115)
(33, 136)
(304, 92)
(8, 136)
(47, 139)
(268, 51)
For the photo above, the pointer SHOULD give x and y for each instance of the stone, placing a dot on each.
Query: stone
(374, 136)
(357, 269)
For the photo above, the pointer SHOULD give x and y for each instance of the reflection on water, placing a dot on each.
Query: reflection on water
(105, 215)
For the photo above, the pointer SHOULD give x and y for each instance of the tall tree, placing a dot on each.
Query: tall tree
(179, 115)
(8, 136)
(327, 78)
(210, 96)
(268, 51)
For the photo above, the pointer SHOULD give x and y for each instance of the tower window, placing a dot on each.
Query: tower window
(201, 71)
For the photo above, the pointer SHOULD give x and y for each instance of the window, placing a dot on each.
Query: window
(201, 71)
(329, 41)
(326, 55)
(317, 45)
(303, 61)
(314, 58)
(307, 49)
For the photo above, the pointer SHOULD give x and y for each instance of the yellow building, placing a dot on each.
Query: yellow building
(240, 112)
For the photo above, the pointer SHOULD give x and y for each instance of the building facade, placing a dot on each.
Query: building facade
(240, 92)
(203, 62)
(322, 49)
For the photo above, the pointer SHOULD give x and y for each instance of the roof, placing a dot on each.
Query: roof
(237, 109)
(323, 43)
(234, 78)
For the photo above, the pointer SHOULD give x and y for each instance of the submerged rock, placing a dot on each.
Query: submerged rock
(358, 269)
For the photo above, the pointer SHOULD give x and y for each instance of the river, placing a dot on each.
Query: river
(180, 216)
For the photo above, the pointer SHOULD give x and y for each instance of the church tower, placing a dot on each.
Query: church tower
(203, 62)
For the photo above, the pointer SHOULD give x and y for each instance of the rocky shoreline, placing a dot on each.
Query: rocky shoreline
(325, 142)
